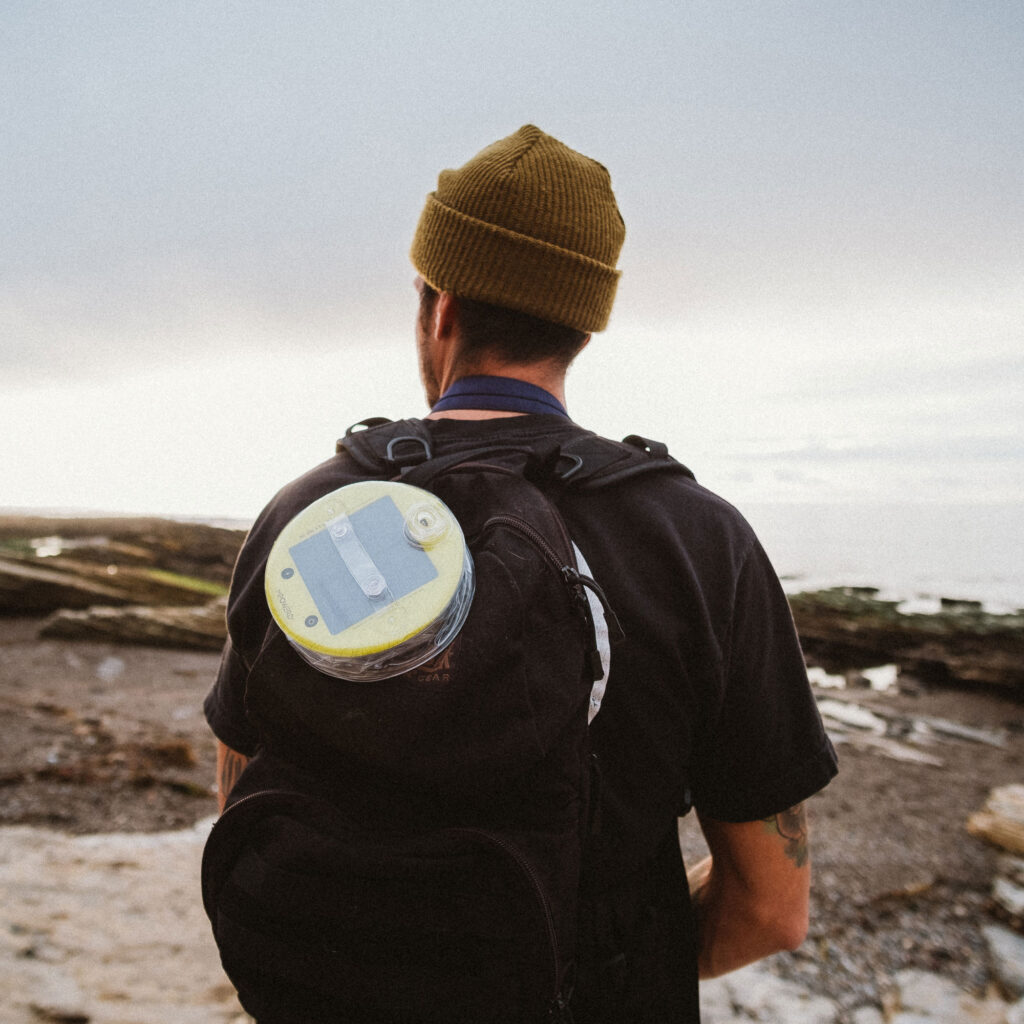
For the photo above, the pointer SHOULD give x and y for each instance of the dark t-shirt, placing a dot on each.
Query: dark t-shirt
(707, 701)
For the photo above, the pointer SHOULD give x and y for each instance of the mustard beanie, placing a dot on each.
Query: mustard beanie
(527, 224)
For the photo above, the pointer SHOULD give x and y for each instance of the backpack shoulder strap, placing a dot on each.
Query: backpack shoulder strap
(590, 462)
(405, 449)
(587, 462)
(380, 445)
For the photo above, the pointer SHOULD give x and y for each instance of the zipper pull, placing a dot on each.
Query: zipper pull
(574, 581)
(559, 1012)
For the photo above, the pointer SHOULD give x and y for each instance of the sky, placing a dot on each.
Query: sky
(207, 210)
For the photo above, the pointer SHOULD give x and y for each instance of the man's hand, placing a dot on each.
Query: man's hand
(229, 766)
(752, 894)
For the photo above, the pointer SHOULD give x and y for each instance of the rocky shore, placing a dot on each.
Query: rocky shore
(108, 638)
(159, 582)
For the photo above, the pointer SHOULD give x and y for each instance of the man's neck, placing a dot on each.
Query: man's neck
(472, 414)
(541, 375)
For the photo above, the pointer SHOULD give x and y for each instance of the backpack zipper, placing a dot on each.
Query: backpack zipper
(570, 572)
(571, 576)
(251, 796)
(576, 581)
(538, 539)
(558, 1001)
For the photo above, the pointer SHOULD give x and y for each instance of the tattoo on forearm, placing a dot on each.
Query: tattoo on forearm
(791, 827)
(230, 768)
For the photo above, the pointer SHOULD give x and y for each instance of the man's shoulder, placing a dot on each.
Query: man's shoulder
(336, 471)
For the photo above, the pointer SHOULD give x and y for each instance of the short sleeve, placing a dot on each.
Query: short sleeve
(224, 706)
(248, 616)
(765, 748)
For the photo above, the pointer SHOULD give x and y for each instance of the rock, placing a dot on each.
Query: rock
(1009, 896)
(48, 991)
(826, 681)
(716, 1003)
(51, 564)
(867, 1015)
(928, 998)
(959, 731)
(881, 677)
(844, 627)
(1006, 950)
(148, 584)
(925, 992)
(30, 589)
(1011, 868)
(887, 747)
(1001, 820)
(753, 993)
(990, 1011)
(190, 549)
(198, 628)
(852, 715)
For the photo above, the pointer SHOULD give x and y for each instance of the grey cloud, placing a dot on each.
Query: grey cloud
(937, 450)
(946, 374)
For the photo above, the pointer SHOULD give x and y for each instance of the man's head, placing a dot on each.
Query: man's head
(525, 237)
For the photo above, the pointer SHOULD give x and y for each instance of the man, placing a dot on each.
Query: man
(707, 702)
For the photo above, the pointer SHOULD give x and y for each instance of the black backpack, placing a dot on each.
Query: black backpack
(409, 850)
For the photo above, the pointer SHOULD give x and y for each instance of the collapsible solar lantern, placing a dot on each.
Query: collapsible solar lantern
(370, 580)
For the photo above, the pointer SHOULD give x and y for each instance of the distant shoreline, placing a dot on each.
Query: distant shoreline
(913, 552)
(72, 514)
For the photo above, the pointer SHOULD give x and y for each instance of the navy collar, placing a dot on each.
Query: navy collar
(502, 394)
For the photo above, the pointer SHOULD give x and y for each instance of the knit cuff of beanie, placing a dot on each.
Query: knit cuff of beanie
(513, 270)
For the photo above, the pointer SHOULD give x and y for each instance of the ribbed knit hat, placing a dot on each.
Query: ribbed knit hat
(528, 224)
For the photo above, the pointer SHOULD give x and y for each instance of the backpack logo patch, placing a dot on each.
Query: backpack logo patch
(438, 670)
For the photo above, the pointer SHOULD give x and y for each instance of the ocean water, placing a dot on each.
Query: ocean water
(914, 552)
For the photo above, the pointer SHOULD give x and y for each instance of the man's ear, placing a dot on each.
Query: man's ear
(446, 311)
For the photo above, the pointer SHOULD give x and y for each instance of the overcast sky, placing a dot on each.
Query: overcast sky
(207, 210)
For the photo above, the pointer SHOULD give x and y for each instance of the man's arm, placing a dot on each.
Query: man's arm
(229, 766)
(751, 895)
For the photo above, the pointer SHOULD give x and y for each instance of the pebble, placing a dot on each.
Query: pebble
(110, 668)
(1006, 949)
(755, 994)
(110, 929)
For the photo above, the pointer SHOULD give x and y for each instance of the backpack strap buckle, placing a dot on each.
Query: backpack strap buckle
(401, 460)
(576, 464)
(655, 449)
(381, 446)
